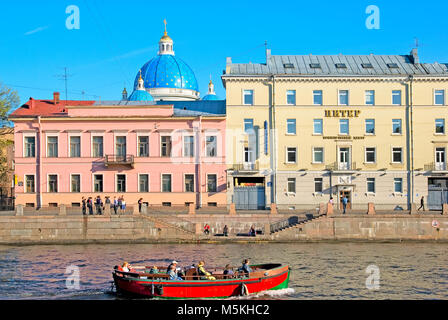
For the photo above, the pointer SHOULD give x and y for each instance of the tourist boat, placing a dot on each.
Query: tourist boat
(264, 277)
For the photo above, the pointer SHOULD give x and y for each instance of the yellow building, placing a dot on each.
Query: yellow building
(302, 129)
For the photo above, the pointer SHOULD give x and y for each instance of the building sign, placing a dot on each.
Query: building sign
(265, 137)
(342, 113)
(343, 137)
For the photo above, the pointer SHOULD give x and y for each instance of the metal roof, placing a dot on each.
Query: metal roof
(302, 65)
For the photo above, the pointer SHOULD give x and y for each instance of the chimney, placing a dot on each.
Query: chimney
(56, 97)
(414, 55)
(228, 63)
(31, 104)
(268, 55)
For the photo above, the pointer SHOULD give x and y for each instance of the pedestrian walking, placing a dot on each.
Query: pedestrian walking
(344, 203)
(225, 231)
(90, 205)
(84, 206)
(115, 205)
(140, 202)
(98, 205)
(123, 204)
(119, 204)
(422, 204)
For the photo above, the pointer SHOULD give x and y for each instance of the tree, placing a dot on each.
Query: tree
(9, 99)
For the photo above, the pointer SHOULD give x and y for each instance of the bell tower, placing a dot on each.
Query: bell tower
(166, 43)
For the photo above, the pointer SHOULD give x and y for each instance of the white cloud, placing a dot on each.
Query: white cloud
(35, 31)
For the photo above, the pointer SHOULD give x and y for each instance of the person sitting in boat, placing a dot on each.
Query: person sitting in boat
(126, 267)
(228, 272)
(153, 270)
(245, 268)
(173, 274)
(203, 273)
(173, 263)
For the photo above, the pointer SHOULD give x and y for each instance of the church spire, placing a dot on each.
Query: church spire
(211, 86)
(166, 43)
(141, 83)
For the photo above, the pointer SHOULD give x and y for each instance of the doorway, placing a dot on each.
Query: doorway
(348, 194)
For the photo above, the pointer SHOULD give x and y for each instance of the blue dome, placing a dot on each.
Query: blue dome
(210, 97)
(167, 71)
(140, 95)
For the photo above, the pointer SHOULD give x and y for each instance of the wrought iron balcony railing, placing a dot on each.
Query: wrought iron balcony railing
(112, 159)
(341, 166)
(438, 166)
(246, 167)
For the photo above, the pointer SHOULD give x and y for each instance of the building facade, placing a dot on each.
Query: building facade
(162, 143)
(371, 128)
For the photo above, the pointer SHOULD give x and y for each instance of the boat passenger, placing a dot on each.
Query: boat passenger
(203, 273)
(228, 272)
(126, 267)
(173, 263)
(245, 267)
(153, 270)
(173, 274)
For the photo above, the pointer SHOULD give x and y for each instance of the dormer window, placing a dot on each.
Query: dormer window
(340, 65)
(367, 65)
(392, 65)
(315, 65)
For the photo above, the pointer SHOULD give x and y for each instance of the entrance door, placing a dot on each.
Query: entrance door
(348, 194)
(249, 198)
(440, 159)
(344, 158)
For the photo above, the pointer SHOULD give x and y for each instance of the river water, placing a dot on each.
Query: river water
(318, 270)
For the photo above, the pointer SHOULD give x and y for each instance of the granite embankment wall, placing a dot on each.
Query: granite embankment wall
(188, 228)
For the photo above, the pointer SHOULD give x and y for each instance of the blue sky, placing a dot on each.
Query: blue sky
(116, 38)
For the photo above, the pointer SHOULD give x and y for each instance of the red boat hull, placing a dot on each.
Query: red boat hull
(275, 279)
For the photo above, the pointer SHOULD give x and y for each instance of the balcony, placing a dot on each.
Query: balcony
(439, 167)
(341, 167)
(246, 167)
(126, 160)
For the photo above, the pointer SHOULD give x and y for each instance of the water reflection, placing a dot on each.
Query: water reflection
(319, 270)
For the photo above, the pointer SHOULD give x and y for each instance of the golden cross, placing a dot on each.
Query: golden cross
(164, 21)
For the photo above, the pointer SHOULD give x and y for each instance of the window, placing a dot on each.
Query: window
(75, 147)
(440, 126)
(288, 66)
(52, 147)
(248, 97)
(367, 65)
(291, 126)
(371, 185)
(211, 146)
(318, 185)
(340, 65)
(98, 183)
(370, 126)
(315, 65)
(30, 147)
(248, 155)
(212, 183)
(396, 155)
(292, 185)
(29, 184)
(291, 97)
(291, 156)
(398, 185)
(392, 65)
(120, 146)
(52, 183)
(165, 146)
(189, 183)
(189, 146)
(343, 126)
(75, 183)
(370, 155)
(396, 97)
(317, 97)
(318, 155)
(97, 147)
(318, 126)
(143, 146)
(248, 125)
(166, 183)
(396, 126)
(143, 182)
(370, 97)
(439, 97)
(343, 97)
(121, 183)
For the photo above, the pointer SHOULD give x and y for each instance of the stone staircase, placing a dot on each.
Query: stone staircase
(161, 221)
(294, 222)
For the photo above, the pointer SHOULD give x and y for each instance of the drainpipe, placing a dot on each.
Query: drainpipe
(199, 157)
(273, 144)
(39, 161)
(411, 79)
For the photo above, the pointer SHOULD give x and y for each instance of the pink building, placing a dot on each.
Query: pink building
(166, 153)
